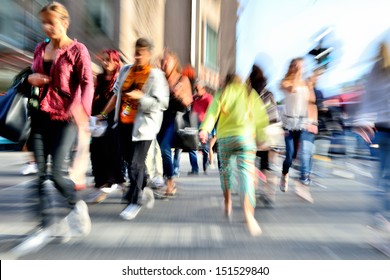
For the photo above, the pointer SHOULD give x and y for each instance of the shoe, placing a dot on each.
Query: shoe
(109, 189)
(130, 212)
(176, 172)
(193, 173)
(79, 220)
(96, 196)
(284, 183)
(165, 195)
(33, 243)
(148, 198)
(305, 179)
(157, 183)
(29, 168)
(62, 231)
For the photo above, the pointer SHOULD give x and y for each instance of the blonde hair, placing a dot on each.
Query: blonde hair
(57, 8)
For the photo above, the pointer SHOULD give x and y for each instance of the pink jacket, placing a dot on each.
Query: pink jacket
(72, 80)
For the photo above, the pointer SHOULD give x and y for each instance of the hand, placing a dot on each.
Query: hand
(38, 80)
(135, 94)
(203, 136)
(312, 128)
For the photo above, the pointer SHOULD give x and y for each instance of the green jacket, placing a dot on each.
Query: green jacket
(237, 113)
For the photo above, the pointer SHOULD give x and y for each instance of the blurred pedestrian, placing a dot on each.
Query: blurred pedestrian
(241, 119)
(202, 100)
(258, 82)
(141, 96)
(62, 71)
(296, 99)
(374, 121)
(105, 156)
(180, 99)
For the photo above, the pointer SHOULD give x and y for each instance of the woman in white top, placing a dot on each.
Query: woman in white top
(298, 96)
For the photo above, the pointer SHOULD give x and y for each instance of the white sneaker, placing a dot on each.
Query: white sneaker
(96, 196)
(33, 243)
(158, 182)
(29, 168)
(148, 198)
(109, 189)
(79, 220)
(130, 212)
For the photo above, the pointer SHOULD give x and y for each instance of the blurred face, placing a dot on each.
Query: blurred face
(53, 26)
(199, 90)
(142, 56)
(107, 63)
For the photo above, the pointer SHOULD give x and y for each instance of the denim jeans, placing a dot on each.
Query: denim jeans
(193, 154)
(176, 161)
(382, 194)
(165, 139)
(291, 139)
(306, 152)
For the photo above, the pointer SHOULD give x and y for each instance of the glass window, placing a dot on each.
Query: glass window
(211, 48)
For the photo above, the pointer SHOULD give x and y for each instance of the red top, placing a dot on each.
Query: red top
(72, 80)
(201, 104)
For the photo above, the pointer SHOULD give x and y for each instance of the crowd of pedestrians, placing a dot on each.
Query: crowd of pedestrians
(138, 103)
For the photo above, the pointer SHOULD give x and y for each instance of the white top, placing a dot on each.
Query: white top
(295, 109)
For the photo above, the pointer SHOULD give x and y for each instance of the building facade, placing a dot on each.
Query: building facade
(201, 32)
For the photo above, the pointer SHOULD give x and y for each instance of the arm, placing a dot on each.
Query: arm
(312, 111)
(85, 76)
(260, 115)
(212, 114)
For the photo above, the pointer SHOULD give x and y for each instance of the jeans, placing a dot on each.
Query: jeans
(165, 139)
(54, 138)
(176, 162)
(291, 139)
(382, 194)
(306, 152)
(193, 154)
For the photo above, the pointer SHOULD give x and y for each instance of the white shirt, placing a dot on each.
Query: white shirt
(295, 109)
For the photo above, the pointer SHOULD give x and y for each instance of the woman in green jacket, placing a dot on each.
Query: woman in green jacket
(241, 117)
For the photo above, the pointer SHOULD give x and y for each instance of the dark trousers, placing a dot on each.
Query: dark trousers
(263, 157)
(106, 159)
(54, 138)
(134, 153)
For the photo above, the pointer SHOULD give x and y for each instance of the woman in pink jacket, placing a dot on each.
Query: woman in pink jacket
(62, 71)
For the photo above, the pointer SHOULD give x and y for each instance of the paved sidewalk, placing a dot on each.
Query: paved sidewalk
(192, 225)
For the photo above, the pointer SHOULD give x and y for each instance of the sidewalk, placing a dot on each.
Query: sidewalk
(192, 225)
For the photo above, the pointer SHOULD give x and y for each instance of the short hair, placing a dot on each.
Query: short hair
(57, 8)
(144, 43)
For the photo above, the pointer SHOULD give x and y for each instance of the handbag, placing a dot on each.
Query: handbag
(14, 113)
(186, 131)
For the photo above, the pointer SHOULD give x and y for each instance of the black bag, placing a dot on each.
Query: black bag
(186, 131)
(14, 114)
